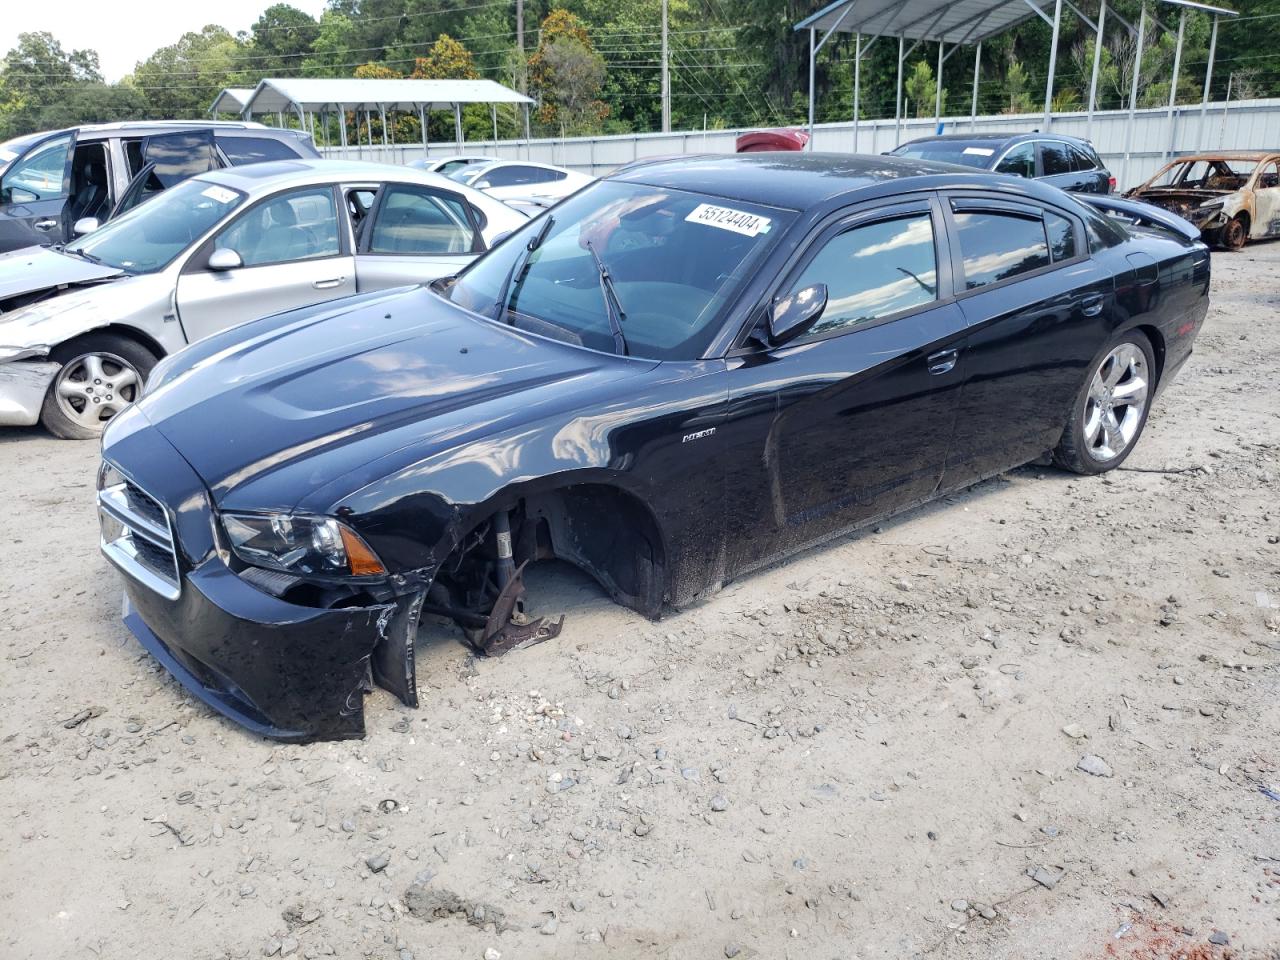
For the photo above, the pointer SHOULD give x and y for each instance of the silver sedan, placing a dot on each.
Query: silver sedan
(85, 324)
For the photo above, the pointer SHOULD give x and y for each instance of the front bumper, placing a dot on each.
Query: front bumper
(23, 385)
(284, 671)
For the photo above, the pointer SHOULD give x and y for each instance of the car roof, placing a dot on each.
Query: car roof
(98, 130)
(1002, 138)
(791, 179)
(264, 177)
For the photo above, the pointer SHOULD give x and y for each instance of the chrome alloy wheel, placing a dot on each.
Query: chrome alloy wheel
(94, 387)
(1118, 395)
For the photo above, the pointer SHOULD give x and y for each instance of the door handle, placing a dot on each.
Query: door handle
(328, 284)
(45, 224)
(1091, 306)
(944, 361)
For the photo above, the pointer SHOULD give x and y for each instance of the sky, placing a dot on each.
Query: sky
(123, 35)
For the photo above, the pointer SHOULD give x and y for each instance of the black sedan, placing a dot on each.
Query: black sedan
(674, 377)
(1067, 163)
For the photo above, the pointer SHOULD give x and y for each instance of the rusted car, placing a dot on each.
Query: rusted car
(1231, 197)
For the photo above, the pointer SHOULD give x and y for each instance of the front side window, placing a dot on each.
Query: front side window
(997, 246)
(1055, 158)
(1020, 161)
(675, 258)
(38, 175)
(873, 271)
(147, 238)
(420, 220)
(299, 225)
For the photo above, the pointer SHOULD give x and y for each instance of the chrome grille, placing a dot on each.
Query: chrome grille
(137, 537)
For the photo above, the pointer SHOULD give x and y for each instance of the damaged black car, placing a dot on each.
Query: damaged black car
(674, 377)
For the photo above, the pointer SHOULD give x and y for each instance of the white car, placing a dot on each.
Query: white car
(522, 180)
(83, 325)
(445, 166)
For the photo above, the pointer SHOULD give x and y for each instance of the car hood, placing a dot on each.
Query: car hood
(32, 269)
(276, 409)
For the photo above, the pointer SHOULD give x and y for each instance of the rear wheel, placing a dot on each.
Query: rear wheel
(1234, 233)
(1111, 409)
(101, 375)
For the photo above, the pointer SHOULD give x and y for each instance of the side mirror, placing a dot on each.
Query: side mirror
(223, 259)
(85, 225)
(500, 237)
(797, 313)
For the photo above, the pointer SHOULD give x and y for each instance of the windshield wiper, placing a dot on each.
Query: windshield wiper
(612, 305)
(534, 243)
(79, 252)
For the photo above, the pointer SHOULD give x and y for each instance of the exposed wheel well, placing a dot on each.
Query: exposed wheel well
(131, 334)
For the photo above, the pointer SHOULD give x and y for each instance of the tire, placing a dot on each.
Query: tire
(1234, 233)
(86, 393)
(1101, 431)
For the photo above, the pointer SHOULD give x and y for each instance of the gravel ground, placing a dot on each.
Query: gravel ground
(1038, 719)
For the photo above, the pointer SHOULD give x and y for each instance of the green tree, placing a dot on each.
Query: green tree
(282, 39)
(181, 80)
(331, 54)
(922, 90)
(93, 102)
(567, 75)
(37, 73)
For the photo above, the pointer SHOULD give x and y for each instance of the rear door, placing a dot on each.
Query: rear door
(415, 234)
(1036, 307)
(851, 421)
(34, 191)
(1058, 167)
(295, 250)
(1266, 201)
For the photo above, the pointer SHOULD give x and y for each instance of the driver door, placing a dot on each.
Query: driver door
(852, 420)
(34, 192)
(294, 250)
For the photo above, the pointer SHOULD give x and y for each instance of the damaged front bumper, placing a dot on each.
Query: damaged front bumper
(284, 671)
(23, 385)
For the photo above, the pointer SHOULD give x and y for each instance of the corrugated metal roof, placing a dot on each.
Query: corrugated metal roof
(231, 99)
(274, 95)
(952, 21)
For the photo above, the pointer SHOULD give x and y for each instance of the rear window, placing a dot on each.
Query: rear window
(242, 150)
(968, 154)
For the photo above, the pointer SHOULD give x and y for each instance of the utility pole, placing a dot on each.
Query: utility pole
(520, 39)
(666, 75)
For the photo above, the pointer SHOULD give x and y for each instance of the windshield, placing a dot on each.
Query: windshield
(148, 237)
(468, 172)
(674, 260)
(1223, 173)
(969, 154)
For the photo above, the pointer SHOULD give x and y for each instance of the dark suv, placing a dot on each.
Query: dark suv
(50, 180)
(1068, 163)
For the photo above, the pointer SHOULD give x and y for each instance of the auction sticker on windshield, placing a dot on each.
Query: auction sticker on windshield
(726, 218)
(218, 194)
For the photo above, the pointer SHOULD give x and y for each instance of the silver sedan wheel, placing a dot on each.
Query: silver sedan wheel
(94, 387)
(1118, 395)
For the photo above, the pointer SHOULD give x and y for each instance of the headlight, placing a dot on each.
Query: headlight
(108, 475)
(300, 545)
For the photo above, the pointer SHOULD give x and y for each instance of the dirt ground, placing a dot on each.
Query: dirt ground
(871, 751)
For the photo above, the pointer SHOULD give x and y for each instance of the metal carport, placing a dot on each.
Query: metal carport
(312, 96)
(230, 100)
(959, 22)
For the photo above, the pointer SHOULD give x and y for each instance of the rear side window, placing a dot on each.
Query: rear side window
(1082, 160)
(514, 176)
(873, 271)
(1055, 158)
(242, 150)
(1020, 161)
(998, 246)
(1062, 237)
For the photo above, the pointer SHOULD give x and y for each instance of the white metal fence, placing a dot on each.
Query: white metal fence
(1240, 125)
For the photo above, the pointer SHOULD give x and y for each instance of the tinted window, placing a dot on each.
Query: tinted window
(1020, 161)
(450, 166)
(1101, 231)
(949, 151)
(416, 219)
(873, 271)
(38, 175)
(997, 246)
(148, 238)
(511, 176)
(1062, 237)
(179, 156)
(1082, 160)
(677, 260)
(242, 150)
(133, 154)
(302, 225)
(1055, 158)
